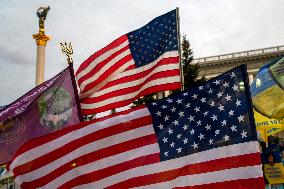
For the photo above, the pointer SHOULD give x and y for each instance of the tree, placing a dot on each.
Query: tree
(190, 71)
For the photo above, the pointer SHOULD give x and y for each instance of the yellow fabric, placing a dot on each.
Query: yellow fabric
(263, 122)
(270, 102)
(274, 174)
(266, 126)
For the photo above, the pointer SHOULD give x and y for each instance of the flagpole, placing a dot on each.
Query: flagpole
(179, 48)
(68, 51)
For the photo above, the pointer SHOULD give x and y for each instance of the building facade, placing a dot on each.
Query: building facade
(216, 65)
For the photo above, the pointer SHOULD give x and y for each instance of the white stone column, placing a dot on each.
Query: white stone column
(40, 62)
(41, 40)
(160, 95)
(250, 79)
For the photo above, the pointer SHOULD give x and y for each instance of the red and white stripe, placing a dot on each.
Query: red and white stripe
(109, 79)
(121, 151)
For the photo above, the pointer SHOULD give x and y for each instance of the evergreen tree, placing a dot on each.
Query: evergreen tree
(190, 71)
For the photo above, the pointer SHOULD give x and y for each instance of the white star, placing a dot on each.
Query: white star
(203, 100)
(164, 106)
(211, 141)
(179, 101)
(154, 103)
(238, 103)
(169, 100)
(200, 88)
(205, 113)
(231, 113)
(158, 113)
(233, 128)
(185, 127)
(187, 105)
(220, 94)
(181, 114)
(165, 139)
(179, 135)
(194, 96)
(161, 127)
(170, 131)
(221, 107)
(166, 118)
(185, 94)
(192, 131)
(226, 84)
(212, 103)
(166, 153)
(224, 122)
(175, 122)
(173, 109)
(214, 117)
(179, 150)
(194, 145)
(208, 127)
(228, 97)
(201, 136)
(217, 82)
(197, 109)
(226, 137)
(198, 122)
(217, 132)
(210, 91)
(172, 144)
(235, 87)
(185, 141)
(241, 118)
(233, 75)
(191, 118)
(244, 134)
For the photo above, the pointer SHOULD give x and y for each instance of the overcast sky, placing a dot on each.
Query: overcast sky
(213, 27)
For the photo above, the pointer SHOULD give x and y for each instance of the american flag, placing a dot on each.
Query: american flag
(201, 138)
(141, 62)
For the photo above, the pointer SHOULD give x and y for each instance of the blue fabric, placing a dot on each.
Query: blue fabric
(265, 77)
(267, 81)
(152, 40)
(215, 114)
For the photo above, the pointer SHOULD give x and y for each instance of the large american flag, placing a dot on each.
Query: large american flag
(201, 138)
(141, 62)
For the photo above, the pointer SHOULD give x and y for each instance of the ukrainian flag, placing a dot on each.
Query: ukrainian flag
(267, 89)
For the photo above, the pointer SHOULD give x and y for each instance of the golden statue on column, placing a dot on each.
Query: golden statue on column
(41, 40)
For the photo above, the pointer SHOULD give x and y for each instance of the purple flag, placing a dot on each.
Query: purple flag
(46, 108)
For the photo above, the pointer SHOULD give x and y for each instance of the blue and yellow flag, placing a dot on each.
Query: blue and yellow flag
(267, 90)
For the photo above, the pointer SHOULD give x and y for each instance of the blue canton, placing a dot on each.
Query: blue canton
(215, 114)
(152, 40)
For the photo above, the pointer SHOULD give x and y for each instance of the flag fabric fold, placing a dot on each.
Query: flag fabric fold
(48, 107)
(141, 62)
(267, 89)
(200, 138)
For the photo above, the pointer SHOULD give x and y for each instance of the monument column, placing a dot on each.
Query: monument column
(41, 40)
(250, 79)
